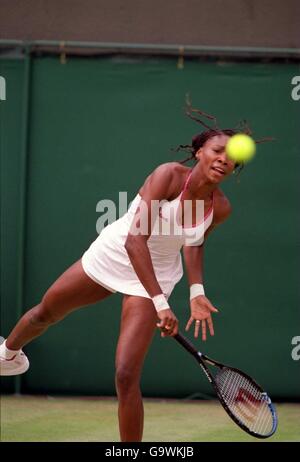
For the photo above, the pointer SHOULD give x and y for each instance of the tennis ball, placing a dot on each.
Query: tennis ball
(240, 148)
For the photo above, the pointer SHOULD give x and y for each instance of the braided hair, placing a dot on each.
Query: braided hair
(211, 130)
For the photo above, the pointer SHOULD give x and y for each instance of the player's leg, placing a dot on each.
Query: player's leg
(70, 291)
(138, 325)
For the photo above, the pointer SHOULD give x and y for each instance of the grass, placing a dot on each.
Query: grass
(31, 418)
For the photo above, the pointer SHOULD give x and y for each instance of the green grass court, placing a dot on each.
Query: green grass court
(31, 418)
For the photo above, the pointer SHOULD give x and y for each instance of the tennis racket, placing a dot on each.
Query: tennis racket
(241, 397)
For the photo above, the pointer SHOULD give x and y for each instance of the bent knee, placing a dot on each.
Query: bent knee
(43, 315)
(52, 298)
(127, 377)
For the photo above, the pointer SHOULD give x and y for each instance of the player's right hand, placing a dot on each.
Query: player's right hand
(168, 323)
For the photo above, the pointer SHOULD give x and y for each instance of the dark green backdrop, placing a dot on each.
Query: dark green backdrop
(99, 126)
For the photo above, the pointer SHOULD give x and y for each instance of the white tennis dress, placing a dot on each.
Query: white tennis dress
(106, 261)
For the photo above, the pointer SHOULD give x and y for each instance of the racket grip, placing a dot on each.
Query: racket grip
(187, 344)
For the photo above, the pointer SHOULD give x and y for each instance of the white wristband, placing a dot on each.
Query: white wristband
(160, 302)
(195, 290)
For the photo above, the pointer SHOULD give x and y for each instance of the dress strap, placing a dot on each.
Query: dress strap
(186, 182)
(211, 208)
(213, 198)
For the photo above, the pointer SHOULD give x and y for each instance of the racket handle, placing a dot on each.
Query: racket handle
(187, 345)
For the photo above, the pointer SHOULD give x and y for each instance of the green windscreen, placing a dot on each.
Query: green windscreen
(98, 127)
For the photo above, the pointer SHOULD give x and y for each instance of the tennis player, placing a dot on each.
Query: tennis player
(144, 266)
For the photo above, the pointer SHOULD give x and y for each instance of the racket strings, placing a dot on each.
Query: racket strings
(245, 400)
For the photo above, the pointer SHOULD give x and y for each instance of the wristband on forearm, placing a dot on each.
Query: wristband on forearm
(195, 290)
(160, 302)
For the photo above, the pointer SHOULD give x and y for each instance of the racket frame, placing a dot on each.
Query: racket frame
(202, 359)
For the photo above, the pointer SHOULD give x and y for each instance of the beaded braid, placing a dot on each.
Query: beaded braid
(211, 130)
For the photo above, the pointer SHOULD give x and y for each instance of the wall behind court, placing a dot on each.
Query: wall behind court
(255, 23)
(99, 126)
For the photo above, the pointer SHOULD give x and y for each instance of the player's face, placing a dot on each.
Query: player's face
(215, 164)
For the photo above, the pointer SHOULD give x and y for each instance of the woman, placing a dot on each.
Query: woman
(145, 266)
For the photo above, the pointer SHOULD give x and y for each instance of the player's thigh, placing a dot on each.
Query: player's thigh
(74, 289)
(138, 324)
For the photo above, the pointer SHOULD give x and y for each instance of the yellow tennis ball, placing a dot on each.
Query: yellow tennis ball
(240, 148)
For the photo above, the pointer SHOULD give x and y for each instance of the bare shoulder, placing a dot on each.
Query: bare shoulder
(222, 206)
(167, 178)
(171, 168)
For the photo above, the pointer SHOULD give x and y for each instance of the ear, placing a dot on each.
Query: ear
(198, 154)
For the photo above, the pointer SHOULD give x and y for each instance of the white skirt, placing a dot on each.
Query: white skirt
(106, 262)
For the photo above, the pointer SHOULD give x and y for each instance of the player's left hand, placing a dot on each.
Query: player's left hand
(201, 310)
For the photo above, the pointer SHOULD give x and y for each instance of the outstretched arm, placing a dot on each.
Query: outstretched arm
(157, 187)
(201, 307)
